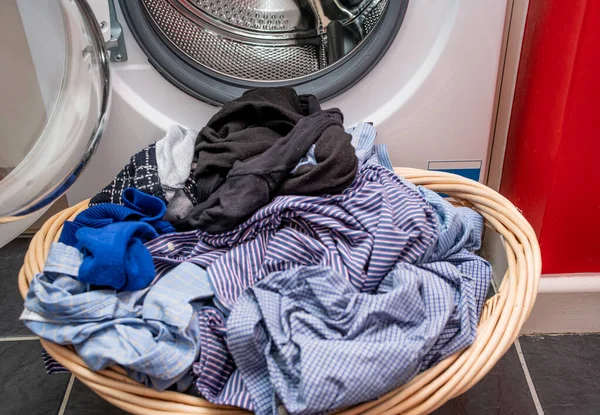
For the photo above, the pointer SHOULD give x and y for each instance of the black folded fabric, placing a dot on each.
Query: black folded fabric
(335, 169)
(246, 153)
(244, 128)
(251, 184)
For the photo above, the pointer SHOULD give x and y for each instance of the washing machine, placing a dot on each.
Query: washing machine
(424, 72)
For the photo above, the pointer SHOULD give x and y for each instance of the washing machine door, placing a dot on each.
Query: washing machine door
(54, 103)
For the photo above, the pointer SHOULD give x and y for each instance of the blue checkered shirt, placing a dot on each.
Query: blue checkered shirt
(307, 339)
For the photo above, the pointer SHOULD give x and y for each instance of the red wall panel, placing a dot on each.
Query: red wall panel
(552, 163)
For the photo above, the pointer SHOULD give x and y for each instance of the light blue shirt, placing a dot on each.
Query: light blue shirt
(153, 333)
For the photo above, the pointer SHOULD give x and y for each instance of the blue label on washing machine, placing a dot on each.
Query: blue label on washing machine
(471, 169)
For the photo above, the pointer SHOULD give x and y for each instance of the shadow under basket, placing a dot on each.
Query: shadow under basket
(501, 320)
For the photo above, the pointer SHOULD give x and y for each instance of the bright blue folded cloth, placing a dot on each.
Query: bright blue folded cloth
(137, 206)
(111, 238)
(115, 256)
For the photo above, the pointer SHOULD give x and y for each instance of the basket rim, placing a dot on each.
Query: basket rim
(502, 318)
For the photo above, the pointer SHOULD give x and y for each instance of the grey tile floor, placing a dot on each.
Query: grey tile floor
(551, 375)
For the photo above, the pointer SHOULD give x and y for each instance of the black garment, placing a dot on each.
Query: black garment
(251, 184)
(335, 169)
(244, 128)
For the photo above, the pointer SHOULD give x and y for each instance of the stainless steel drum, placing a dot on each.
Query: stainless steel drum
(215, 49)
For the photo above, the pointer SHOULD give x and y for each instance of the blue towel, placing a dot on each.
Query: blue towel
(111, 238)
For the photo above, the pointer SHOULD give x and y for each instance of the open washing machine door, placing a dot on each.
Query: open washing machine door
(54, 103)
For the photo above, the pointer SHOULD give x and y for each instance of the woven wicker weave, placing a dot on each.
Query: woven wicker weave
(502, 318)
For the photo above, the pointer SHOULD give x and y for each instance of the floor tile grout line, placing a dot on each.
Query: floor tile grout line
(65, 401)
(18, 338)
(534, 395)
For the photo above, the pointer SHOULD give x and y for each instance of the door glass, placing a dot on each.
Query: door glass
(54, 99)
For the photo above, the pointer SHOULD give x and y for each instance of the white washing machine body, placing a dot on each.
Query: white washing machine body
(431, 97)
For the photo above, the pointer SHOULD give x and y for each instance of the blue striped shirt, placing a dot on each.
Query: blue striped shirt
(367, 152)
(362, 234)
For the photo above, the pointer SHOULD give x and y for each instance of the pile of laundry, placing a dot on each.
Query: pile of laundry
(271, 259)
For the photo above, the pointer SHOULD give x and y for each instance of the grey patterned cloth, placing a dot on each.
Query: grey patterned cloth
(183, 200)
(179, 206)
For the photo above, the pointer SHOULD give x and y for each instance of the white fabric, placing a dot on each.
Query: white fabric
(174, 154)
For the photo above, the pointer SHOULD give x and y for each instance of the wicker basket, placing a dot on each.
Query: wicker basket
(501, 320)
